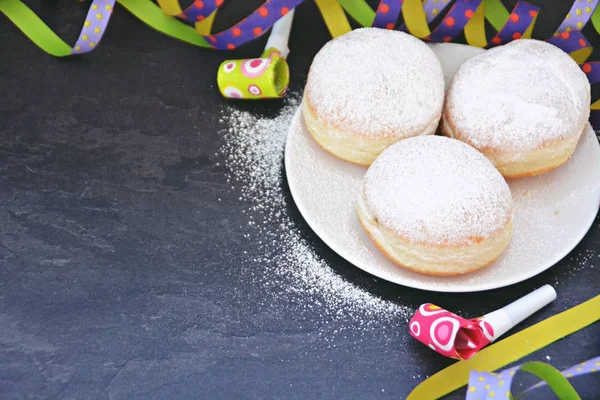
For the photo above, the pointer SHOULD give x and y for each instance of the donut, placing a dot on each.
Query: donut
(370, 88)
(436, 206)
(524, 105)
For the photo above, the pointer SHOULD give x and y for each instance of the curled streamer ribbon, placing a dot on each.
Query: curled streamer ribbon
(497, 386)
(454, 17)
(509, 350)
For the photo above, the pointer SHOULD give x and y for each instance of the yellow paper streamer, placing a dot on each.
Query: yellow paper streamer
(334, 17)
(581, 55)
(529, 30)
(475, 28)
(415, 18)
(204, 27)
(509, 350)
(170, 7)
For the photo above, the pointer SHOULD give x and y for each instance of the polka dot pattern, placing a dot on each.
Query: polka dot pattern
(489, 385)
(570, 41)
(233, 92)
(387, 14)
(255, 67)
(255, 90)
(435, 8)
(454, 22)
(252, 26)
(448, 333)
(578, 16)
(199, 10)
(94, 26)
(254, 78)
(516, 25)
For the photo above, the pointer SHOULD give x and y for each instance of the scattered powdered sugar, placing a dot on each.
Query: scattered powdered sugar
(518, 96)
(254, 151)
(378, 75)
(437, 190)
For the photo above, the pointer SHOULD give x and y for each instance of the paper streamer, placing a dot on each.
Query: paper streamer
(455, 21)
(417, 15)
(199, 10)
(453, 336)
(516, 25)
(485, 385)
(579, 15)
(509, 350)
(387, 14)
(586, 367)
(94, 27)
(334, 17)
(253, 26)
(497, 386)
(435, 8)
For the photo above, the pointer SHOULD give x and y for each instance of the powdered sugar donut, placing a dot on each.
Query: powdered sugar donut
(524, 105)
(369, 89)
(436, 206)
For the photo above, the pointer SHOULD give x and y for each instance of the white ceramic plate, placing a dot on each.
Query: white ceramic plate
(553, 211)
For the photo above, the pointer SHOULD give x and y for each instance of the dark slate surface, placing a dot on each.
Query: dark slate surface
(119, 269)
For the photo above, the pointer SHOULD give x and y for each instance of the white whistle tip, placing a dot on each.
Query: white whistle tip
(530, 303)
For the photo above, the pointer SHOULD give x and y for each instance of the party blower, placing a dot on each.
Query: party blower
(267, 77)
(460, 338)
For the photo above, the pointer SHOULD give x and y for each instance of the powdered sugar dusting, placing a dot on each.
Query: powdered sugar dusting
(437, 190)
(376, 82)
(254, 149)
(518, 96)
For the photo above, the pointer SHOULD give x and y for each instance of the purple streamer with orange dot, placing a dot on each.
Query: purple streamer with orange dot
(454, 22)
(516, 25)
(569, 41)
(387, 14)
(199, 10)
(253, 26)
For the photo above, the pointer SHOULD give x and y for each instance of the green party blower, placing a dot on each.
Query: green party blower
(266, 77)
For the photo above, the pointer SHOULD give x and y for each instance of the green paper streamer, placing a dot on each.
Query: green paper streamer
(149, 13)
(496, 13)
(359, 10)
(555, 380)
(34, 28)
(596, 19)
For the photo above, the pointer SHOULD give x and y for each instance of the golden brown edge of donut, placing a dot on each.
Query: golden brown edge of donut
(488, 150)
(420, 271)
(338, 156)
(381, 133)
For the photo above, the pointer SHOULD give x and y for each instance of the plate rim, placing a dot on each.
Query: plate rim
(480, 286)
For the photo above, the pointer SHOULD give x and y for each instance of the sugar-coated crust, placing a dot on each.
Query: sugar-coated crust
(399, 263)
(433, 259)
(352, 146)
(544, 158)
(369, 89)
(524, 105)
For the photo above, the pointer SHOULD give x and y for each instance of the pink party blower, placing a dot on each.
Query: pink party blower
(460, 338)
